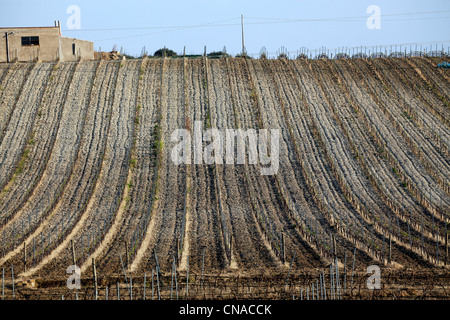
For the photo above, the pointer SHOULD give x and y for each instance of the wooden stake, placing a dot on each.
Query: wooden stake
(153, 280)
(24, 256)
(187, 278)
(345, 272)
(203, 266)
(73, 252)
(34, 252)
(131, 288)
(178, 256)
(171, 283)
(292, 262)
(338, 284)
(353, 268)
(390, 248)
(12, 277)
(231, 247)
(126, 255)
(145, 283)
(124, 273)
(157, 282)
(3, 283)
(335, 248)
(94, 271)
(446, 243)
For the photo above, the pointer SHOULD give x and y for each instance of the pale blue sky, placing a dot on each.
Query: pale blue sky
(139, 23)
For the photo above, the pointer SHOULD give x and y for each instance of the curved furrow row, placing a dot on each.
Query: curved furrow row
(369, 201)
(372, 156)
(11, 85)
(431, 63)
(420, 147)
(39, 146)
(324, 73)
(18, 129)
(269, 201)
(267, 194)
(127, 232)
(142, 256)
(418, 102)
(346, 171)
(433, 101)
(401, 195)
(428, 152)
(359, 125)
(306, 140)
(419, 181)
(3, 71)
(262, 198)
(247, 246)
(290, 181)
(60, 163)
(436, 78)
(78, 188)
(206, 247)
(216, 158)
(335, 141)
(165, 225)
(103, 205)
(428, 101)
(184, 240)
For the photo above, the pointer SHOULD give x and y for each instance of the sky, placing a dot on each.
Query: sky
(193, 24)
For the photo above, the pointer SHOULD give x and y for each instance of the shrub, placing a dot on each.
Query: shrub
(217, 54)
(164, 52)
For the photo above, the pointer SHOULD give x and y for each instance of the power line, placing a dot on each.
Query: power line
(160, 27)
(359, 17)
(258, 23)
(273, 20)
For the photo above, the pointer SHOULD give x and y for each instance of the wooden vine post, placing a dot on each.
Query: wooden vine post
(446, 243)
(73, 252)
(94, 271)
(24, 257)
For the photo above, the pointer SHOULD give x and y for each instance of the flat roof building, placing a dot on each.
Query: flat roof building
(42, 44)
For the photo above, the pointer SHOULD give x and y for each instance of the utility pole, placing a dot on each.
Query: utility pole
(242, 25)
(7, 45)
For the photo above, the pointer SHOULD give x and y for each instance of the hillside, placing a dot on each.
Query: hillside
(86, 167)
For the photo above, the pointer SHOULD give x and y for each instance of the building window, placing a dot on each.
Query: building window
(30, 41)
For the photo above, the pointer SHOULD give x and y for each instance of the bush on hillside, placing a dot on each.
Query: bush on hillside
(164, 52)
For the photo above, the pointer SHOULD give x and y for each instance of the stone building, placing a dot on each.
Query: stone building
(42, 44)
